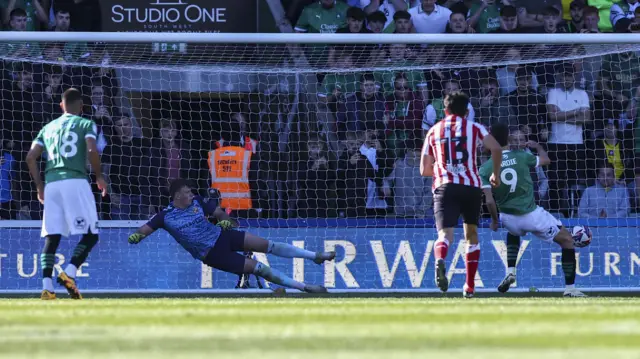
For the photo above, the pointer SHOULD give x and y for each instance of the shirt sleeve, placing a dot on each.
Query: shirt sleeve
(485, 175)
(208, 205)
(482, 131)
(303, 22)
(90, 129)
(584, 100)
(616, 14)
(157, 221)
(472, 113)
(429, 149)
(552, 97)
(39, 140)
(429, 118)
(531, 160)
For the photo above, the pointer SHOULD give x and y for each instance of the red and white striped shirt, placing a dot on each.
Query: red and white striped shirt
(453, 143)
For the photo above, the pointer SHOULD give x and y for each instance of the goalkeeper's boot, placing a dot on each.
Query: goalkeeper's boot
(441, 276)
(322, 257)
(573, 293)
(46, 295)
(69, 284)
(467, 292)
(506, 283)
(313, 288)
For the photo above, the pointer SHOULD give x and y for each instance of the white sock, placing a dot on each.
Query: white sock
(511, 270)
(71, 270)
(570, 286)
(47, 283)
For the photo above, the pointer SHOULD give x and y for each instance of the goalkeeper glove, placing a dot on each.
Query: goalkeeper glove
(136, 238)
(225, 225)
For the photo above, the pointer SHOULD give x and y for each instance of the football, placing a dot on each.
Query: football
(581, 236)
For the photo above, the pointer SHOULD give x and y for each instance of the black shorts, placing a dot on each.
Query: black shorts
(452, 200)
(224, 254)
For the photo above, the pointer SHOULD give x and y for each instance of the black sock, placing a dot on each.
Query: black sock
(569, 265)
(513, 247)
(48, 255)
(81, 252)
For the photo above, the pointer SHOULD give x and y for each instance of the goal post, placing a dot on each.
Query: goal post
(334, 124)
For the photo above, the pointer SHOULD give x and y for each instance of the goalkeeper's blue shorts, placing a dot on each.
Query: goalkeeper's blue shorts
(224, 253)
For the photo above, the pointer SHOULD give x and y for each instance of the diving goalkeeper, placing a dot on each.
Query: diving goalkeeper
(218, 245)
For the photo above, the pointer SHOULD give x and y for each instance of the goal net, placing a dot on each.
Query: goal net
(318, 145)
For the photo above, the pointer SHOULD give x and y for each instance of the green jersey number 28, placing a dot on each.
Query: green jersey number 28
(64, 142)
(67, 145)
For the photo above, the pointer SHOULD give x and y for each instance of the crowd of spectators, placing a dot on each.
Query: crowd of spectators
(362, 158)
(581, 110)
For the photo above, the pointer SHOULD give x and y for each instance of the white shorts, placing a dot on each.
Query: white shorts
(69, 208)
(539, 222)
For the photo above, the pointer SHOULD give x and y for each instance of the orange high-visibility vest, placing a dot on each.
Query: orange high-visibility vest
(229, 167)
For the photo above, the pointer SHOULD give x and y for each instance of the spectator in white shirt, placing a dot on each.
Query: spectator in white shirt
(568, 109)
(429, 17)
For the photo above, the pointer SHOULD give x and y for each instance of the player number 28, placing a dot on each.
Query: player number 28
(68, 146)
(511, 180)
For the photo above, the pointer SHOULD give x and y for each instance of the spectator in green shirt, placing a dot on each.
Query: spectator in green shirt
(324, 16)
(73, 51)
(18, 22)
(399, 55)
(336, 86)
(619, 80)
(485, 16)
(34, 9)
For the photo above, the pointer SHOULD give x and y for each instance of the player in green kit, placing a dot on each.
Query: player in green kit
(518, 211)
(69, 206)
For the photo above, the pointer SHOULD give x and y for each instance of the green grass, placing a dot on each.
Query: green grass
(321, 328)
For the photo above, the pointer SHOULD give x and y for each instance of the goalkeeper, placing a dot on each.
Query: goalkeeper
(218, 245)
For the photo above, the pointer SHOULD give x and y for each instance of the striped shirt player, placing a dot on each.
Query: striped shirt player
(68, 142)
(450, 156)
(217, 246)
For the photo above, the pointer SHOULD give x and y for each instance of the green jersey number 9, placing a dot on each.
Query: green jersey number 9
(511, 180)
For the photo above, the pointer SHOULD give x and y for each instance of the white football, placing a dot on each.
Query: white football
(581, 236)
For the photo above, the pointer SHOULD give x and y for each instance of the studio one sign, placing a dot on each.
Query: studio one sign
(179, 15)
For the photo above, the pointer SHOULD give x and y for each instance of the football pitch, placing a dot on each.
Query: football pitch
(256, 328)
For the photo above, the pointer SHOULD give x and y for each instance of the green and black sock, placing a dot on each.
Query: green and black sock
(569, 265)
(80, 253)
(48, 259)
(513, 248)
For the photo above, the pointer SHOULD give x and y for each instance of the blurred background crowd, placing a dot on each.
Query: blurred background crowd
(350, 145)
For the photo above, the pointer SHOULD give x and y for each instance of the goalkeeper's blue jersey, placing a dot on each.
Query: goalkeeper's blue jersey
(190, 226)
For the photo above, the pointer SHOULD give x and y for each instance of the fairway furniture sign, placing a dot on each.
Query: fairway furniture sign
(369, 259)
(179, 15)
